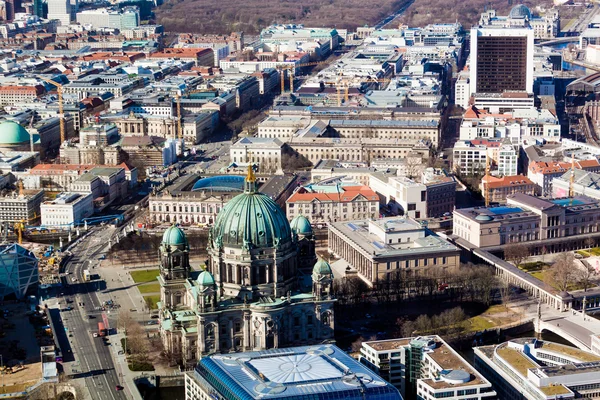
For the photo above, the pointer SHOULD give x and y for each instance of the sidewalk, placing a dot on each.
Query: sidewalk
(120, 360)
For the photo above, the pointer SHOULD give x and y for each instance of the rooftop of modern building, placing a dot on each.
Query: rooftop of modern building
(584, 178)
(386, 345)
(299, 372)
(359, 233)
(444, 356)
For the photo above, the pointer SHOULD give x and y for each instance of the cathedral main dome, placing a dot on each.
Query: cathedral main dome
(251, 219)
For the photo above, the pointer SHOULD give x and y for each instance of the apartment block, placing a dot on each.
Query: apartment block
(426, 368)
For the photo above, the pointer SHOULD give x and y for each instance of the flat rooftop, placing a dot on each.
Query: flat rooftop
(358, 233)
(449, 360)
(307, 372)
(517, 360)
(383, 345)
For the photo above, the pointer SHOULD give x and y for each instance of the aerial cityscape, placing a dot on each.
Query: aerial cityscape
(320, 200)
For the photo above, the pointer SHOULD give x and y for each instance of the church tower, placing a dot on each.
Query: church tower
(174, 267)
(305, 239)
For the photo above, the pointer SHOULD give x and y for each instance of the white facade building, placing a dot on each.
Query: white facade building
(441, 371)
(402, 195)
(68, 208)
(539, 370)
(264, 152)
(60, 10)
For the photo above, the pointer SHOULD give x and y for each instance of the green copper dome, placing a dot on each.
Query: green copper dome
(322, 267)
(301, 226)
(251, 220)
(174, 236)
(205, 279)
(13, 133)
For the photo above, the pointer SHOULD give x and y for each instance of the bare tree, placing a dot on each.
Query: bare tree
(516, 253)
(585, 276)
(563, 271)
(506, 291)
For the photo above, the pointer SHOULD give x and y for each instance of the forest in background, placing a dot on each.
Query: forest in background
(250, 16)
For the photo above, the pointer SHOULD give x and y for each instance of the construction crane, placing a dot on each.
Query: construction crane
(59, 91)
(179, 115)
(179, 129)
(572, 178)
(486, 186)
(290, 68)
(20, 227)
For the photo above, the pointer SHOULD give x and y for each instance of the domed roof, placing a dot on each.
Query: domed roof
(174, 236)
(251, 219)
(520, 12)
(13, 133)
(301, 225)
(484, 217)
(205, 279)
(322, 267)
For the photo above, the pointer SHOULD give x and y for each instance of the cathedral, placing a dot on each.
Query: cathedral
(262, 287)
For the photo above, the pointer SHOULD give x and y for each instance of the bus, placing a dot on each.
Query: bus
(86, 275)
(101, 329)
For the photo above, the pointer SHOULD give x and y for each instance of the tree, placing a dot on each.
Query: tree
(506, 291)
(563, 271)
(516, 253)
(585, 275)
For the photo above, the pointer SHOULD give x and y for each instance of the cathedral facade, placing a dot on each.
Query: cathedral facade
(262, 287)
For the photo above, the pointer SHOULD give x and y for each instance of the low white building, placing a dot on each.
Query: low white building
(68, 209)
(264, 152)
(521, 126)
(432, 196)
(470, 157)
(539, 370)
(443, 373)
(402, 195)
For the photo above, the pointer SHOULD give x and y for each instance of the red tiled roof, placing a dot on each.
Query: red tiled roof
(348, 194)
(512, 180)
(60, 168)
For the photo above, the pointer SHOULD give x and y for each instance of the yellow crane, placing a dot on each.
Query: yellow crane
(486, 186)
(20, 227)
(59, 90)
(179, 115)
(290, 68)
(572, 178)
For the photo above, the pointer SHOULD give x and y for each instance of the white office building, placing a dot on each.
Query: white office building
(539, 370)
(425, 368)
(60, 10)
(67, 209)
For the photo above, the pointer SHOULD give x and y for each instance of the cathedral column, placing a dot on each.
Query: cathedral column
(230, 329)
(217, 338)
(201, 338)
(247, 322)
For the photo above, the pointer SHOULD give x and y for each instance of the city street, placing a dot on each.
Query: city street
(92, 356)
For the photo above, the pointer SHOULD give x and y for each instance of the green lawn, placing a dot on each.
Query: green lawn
(153, 287)
(144, 276)
(532, 266)
(152, 300)
(479, 323)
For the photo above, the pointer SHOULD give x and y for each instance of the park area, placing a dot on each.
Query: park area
(148, 286)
